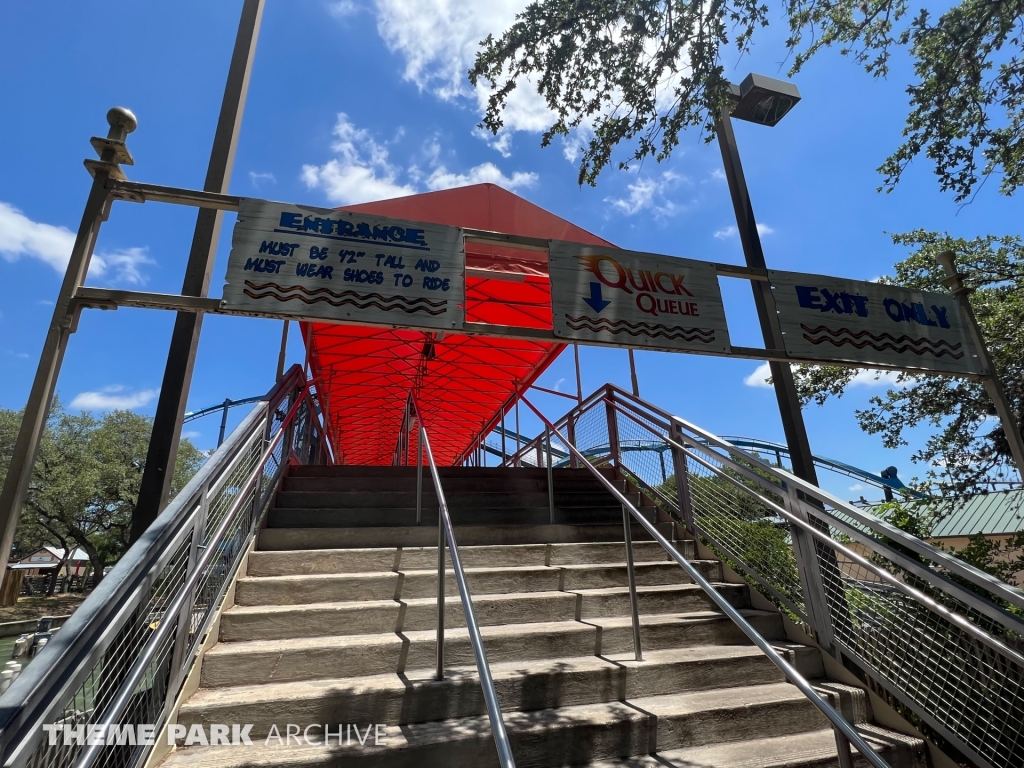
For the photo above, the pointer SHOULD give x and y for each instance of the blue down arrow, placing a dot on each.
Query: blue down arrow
(595, 300)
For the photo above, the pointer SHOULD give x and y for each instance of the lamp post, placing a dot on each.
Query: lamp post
(764, 101)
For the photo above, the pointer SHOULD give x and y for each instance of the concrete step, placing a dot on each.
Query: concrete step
(815, 749)
(311, 658)
(495, 498)
(390, 585)
(360, 517)
(418, 697)
(571, 735)
(276, 539)
(289, 563)
(279, 622)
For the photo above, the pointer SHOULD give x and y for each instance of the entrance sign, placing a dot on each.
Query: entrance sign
(635, 299)
(322, 264)
(833, 319)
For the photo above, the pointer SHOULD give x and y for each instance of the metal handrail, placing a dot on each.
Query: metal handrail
(446, 534)
(846, 734)
(55, 680)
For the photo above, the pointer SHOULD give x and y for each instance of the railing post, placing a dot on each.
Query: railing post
(440, 592)
(551, 482)
(571, 433)
(185, 614)
(810, 564)
(504, 451)
(419, 475)
(843, 749)
(634, 602)
(682, 476)
(613, 429)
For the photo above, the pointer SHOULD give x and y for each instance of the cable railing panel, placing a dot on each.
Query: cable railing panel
(125, 653)
(943, 640)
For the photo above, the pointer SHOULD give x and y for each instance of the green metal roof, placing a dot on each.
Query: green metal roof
(988, 513)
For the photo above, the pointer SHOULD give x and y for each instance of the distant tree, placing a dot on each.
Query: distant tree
(642, 71)
(969, 448)
(86, 480)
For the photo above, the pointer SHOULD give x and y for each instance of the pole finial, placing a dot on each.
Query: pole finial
(122, 122)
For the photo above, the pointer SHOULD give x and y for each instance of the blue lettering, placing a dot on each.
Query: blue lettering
(806, 296)
(893, 309)
(940, 312)
(415, 236)
(291, 220)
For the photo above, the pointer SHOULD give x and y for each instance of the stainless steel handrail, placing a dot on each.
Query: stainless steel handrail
(846, 734)
(446, 534)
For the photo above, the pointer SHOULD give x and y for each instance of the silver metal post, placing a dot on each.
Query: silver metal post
(62, 324)
(419, 476)
(224, 419)
(504, 452)
(177, 378)
(682, 477)
(518, 433)
(634, 602)
(551, 482)
(843, 749)
(632, 373)
(993, 386)
(440, 593)
(579, 380)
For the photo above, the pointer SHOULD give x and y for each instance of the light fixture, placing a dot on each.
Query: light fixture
(763, 100)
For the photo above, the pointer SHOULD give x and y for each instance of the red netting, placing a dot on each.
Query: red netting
(461, 381)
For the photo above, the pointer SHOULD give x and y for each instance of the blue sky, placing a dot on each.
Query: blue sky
(355, 101)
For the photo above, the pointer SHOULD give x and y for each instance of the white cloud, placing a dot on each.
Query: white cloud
(874, 378)
(256, 179)
(856, 487)
(363, 170)
(360, 173)
(718, 174)
(731, 231)
(343, 8)
(113, 397)
(192, 435)
(648, 193)
(22, 237)
(757, 378)
(440, 178)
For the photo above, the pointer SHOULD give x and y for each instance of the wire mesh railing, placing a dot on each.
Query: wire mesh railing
(124, 654)
(941, 639)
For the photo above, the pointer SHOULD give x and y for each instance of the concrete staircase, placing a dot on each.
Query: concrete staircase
(334, 622)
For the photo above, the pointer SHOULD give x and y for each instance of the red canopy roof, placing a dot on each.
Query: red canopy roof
(461, 381)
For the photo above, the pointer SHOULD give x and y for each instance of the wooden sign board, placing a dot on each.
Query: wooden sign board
(635, 299)
(295, 261)
(833, 319)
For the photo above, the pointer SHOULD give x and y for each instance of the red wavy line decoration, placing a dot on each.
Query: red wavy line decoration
(351, 298)
(703, 335)
(882, 341)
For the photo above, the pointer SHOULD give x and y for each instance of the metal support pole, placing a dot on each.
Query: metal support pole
(800, 456)
(613, 430)
(782, 374)
(632, 373)
(419, 475)
(177, 379)
(504, 452)
(440, 593)
(62, 324)
(843, 749)
(570, 428)
(283, 353)
(551, 482)
(579, 380)
(224, 420)
(518, 460)
(634, 602)
(993, 386)
(682, 477)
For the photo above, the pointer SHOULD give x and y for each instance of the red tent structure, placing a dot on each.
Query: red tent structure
(461, 382)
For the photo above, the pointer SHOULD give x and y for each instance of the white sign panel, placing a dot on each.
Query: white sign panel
(636, 299)
(829, 318)
(314, 263)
